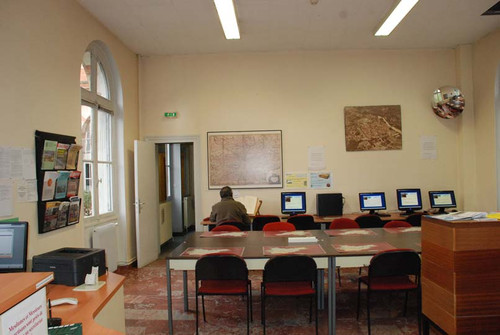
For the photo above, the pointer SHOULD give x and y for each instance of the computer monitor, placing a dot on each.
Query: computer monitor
(293, 203)
(409, 200)
(13, 246)
(372, 201)
(442, 200)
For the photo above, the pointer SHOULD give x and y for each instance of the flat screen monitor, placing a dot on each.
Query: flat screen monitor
(409, 200)
(13, 246)
(372, 201)
(293, 203)
(442, 200)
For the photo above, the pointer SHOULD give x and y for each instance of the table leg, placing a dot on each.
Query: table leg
(169, 301)
(331, 295)
(185, 285)
(321, 289)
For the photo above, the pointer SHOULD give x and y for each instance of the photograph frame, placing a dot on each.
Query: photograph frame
(245, 159)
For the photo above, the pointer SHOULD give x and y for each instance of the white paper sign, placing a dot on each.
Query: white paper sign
(428, 147)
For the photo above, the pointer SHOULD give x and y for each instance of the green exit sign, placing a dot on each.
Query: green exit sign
(171, 114)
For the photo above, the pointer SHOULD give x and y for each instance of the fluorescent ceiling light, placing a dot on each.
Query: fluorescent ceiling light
(227, 17)
(396, 16)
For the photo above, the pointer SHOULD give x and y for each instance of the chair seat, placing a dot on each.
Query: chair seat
(389, 283)
(289, 288)
(223, 287)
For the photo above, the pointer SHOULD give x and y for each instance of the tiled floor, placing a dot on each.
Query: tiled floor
(146, 308)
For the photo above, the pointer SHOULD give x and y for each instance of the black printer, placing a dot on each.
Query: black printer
(70, 265)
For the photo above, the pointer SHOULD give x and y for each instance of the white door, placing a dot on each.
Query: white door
(146, 203)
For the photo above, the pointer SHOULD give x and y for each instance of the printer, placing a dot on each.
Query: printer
(70, 265)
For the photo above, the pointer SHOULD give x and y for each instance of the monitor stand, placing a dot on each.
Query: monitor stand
(407, 212)
(442, 211)
(372, 212)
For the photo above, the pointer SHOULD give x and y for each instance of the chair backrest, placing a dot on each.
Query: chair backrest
(289, 268)
(369, 221)
(226, 227)
(396, 262)
(303, 222)
(414, 219)
(278, 226)
(343, 223)
(259, 221)
(241, 226)
(221, 267)
(396, 224)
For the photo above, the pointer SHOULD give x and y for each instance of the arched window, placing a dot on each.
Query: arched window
(98, 133)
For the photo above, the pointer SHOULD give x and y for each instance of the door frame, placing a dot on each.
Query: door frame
(196, 166)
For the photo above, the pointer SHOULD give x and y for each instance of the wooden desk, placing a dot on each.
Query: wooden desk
(15, 287)
(460, 276)
(253, 253)
(92, 305)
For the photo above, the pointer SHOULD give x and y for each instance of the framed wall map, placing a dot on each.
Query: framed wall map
(245, 159)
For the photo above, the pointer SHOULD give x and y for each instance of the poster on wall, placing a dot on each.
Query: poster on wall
(245, 159)
(373, 128)
(296, 180)
(321, 179)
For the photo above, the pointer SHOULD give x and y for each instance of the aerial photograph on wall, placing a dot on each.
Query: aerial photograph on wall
(373, 128)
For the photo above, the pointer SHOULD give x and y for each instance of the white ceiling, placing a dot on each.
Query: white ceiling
(159, 27)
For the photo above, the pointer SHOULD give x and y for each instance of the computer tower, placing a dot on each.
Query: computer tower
(329, 204)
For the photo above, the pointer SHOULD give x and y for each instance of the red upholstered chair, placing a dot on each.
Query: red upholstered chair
(220, 274)
(278, 226)
(303, 222)
(397, 224)
(290, 275)
(226, 227)
(369, 221)
(392, 270)
(241, 226)
(343, 223)
(259, 221)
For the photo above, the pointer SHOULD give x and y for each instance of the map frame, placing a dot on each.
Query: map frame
(255, 165)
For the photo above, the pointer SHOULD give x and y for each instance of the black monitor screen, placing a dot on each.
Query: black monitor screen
(13, 246)
(409, 199)
(293, 202)
(442, 199)
(372, 201)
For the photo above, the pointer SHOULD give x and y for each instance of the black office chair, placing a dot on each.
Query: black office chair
(369, 221)
(290, 275)
(222, 275)
(260, 220)
(303, 222)
(392, 270)
(414, 219)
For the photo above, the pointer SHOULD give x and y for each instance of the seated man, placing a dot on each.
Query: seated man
(229, 209)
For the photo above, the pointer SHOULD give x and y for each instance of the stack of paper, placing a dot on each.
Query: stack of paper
(461, 216)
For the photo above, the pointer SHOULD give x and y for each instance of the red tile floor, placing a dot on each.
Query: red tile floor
(146, 308)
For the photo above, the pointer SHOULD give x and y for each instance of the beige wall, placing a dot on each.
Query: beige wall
(42, 47)
(486, 60)
(304, 94)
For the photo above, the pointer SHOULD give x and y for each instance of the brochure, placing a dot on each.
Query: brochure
(49, 155)
(61, 156)
(62, 184)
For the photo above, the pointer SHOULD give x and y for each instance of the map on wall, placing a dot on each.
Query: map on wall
(245, 159)
(373, 128)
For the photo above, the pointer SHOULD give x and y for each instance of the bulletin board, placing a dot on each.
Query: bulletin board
(58, 181)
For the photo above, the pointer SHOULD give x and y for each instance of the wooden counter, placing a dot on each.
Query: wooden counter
(15, 287)
(460, 275)
(91, 304)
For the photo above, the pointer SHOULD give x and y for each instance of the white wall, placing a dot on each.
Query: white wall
(304, 94)
(42, 47)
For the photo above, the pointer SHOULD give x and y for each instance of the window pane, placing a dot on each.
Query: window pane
(104, 137)
(85, 72)
(105, 187)
(102, 82)
(88, 191)
(86, 130)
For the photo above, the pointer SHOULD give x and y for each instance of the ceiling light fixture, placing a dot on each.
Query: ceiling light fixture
(395, 17)
(227, 17)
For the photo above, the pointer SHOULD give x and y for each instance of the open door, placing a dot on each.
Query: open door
(146, 203)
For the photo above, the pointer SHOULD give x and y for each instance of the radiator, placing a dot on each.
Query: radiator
(105, 237)
(188, 211)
